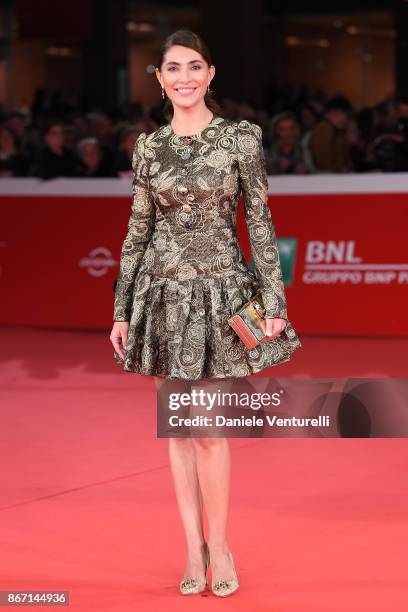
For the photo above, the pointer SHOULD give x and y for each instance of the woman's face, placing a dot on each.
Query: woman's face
(184, 76)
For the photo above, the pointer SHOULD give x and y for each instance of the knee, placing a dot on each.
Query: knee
(180, 442)
(208, 443)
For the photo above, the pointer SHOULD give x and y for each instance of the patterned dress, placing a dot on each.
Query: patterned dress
(182, 272)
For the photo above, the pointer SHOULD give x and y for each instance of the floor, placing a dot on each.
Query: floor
(87, 504)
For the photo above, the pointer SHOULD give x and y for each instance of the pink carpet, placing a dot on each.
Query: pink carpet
(87, 504)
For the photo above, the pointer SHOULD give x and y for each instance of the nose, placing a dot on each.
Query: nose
(185, 76)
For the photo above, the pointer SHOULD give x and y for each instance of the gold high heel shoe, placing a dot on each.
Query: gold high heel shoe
(192, 586)
(223, 588)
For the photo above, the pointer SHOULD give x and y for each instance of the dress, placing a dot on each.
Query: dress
(182, 273)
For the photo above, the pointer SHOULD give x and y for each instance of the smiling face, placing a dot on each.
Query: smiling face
(184, 76)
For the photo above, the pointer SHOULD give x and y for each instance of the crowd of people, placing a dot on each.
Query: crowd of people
(303, 134)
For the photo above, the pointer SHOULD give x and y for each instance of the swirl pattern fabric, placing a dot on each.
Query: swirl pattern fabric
(182, 272)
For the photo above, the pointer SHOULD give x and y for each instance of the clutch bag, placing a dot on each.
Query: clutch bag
(246, 321)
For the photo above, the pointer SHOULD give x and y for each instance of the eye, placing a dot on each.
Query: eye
(197, 66)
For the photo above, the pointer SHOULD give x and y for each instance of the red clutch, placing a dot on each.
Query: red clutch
(247, 322)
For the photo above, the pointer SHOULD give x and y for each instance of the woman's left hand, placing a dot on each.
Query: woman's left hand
(273, 327)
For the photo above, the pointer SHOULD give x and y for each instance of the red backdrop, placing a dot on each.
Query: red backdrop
(59, 256)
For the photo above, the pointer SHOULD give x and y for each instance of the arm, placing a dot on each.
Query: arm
(254, 184)
(140, 228)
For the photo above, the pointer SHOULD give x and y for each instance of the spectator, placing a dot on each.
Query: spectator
(94, 163)
(309, 135)
(54, 160)
(328, 142)
(308, 117)
(285, 155)
(12, 162)
(388, 151)
(123, 161)
(356, 146)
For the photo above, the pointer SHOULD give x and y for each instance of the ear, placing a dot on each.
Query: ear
(158, 75)
(211, 71)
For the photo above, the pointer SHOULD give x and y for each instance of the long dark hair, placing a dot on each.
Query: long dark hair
(189, 39)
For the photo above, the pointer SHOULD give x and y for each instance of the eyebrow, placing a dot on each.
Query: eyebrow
(190, 62)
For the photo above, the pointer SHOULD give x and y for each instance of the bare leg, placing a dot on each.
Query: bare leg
(213, 468)
(189, 499)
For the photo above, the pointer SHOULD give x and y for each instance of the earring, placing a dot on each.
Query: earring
(162, 92)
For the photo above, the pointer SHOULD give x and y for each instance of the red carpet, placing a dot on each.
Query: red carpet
(87, 503)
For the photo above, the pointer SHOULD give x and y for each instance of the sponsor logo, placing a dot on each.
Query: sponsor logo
(98, 261)
(332, 262)
(287, 254)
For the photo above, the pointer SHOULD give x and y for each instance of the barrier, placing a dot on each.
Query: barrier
(342, 243)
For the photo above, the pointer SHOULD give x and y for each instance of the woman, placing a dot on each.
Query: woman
(182, 274)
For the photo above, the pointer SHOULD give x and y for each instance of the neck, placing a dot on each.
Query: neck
(190, 120)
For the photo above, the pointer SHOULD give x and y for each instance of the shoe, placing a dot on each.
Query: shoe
(223, 588)
(192, 586)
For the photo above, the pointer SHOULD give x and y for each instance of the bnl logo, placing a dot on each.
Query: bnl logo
(287, 255)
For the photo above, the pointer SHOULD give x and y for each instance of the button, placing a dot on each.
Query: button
(201, 312)
(186, 153)
(186, 208)
(187, 140)
(190, 197)
(182, 189)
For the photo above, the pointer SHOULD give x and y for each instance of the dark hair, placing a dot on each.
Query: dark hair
(187, 38)
(338, 103)
(365, 122)
(283, 116)
(48, 124)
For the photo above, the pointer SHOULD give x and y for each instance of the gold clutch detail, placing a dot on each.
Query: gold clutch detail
(246, 321)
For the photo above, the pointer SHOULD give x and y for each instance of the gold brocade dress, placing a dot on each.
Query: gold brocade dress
(182, 272)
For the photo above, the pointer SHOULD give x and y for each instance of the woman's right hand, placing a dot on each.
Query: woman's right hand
(119, 336)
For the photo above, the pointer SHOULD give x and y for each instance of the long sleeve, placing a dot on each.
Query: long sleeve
(140, 228)
(254, 185)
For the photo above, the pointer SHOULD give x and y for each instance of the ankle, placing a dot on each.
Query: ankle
(218, 548)
(193, 547)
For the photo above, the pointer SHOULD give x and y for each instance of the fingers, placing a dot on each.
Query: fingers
(118, 338)
(117, 345)
(273, 327)
(124, 337)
